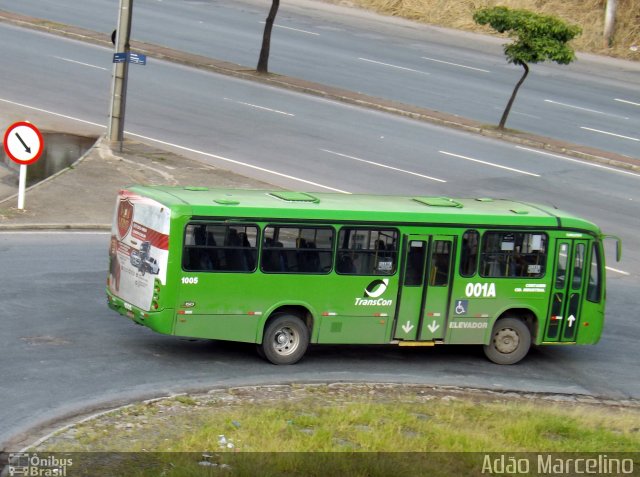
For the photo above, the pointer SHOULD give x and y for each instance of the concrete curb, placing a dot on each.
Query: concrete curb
(54, 227)
(332, 93)
(59, 173)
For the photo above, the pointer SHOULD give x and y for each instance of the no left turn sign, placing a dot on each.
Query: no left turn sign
(23, 143)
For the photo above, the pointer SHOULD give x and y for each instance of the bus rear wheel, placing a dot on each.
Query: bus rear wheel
(285, 340)
(510, 341)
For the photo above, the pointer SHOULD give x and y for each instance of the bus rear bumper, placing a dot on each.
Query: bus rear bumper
(160, 321)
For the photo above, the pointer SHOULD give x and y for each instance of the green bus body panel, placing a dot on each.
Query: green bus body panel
(236, 306)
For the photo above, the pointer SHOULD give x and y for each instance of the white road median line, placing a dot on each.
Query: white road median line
(625, 101)
(240, 163)
(610, 133)
(455, 64)
(52, 113)
(260, 107)
(584, 109)
(177, 146)
(383, 165)
(489, 163)
(584, 163)
(294, 29)
(80, 63)
(621, 272)
(394, 66)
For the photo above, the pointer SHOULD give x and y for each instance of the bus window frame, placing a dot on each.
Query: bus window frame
(397, 250)
(481, 252)
(287, 225)
(217, 247)
(477, 259)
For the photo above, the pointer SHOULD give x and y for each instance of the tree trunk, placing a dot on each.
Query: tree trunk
(263, 61)
(503, 120)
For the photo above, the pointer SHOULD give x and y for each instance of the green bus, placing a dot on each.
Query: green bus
(287, 269)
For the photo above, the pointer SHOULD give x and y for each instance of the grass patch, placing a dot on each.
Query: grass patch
(340, 429)
(588, 14)
(383, 420)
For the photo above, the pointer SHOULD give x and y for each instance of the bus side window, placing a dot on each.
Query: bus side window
(594, 289)
(218, 247)
(513, 254)
(291, 249)
(469, 253)
(367, 251)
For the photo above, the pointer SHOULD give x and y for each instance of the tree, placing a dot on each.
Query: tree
(263, 61)
(537, 38)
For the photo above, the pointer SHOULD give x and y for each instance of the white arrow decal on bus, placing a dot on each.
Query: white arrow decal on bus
(571, 319)
(407, 327)
(376, 288)
(433, 326)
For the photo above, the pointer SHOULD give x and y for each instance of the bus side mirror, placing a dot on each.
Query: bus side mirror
(618, 245)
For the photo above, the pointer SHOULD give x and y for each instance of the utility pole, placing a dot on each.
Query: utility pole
(609, 22)
(120, 73)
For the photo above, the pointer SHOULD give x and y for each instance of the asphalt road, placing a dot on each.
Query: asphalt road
(595, 102)
(64, 350)
(303, 142)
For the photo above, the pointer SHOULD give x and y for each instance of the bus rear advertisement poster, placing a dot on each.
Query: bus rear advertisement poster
(139, 249)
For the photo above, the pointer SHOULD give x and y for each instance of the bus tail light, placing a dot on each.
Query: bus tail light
(156, 294)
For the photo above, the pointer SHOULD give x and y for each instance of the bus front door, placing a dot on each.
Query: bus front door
(567, 290)
(426, 281)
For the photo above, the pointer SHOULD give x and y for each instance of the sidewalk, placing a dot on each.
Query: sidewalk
(83, 196)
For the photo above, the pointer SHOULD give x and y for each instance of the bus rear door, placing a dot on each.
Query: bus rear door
(426, 282)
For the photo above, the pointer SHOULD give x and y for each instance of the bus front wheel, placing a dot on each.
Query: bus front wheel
(285, 340)
(510, 341)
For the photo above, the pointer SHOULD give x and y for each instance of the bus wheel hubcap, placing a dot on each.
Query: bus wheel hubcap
(285, 341)
(506, 341)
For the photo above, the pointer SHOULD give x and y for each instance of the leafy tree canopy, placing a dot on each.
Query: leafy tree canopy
(537, 37)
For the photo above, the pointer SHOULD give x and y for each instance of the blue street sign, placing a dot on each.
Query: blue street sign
(119, 57)
(137, 59)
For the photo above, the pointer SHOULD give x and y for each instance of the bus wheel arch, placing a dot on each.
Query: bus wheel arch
(511, 338)
(286, 335)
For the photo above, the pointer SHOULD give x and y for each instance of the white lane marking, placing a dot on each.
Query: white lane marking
(610, 133)
(240, 163)
(383, 165)
(584, 109)
(618, 271)
(455, 64)
(489, 163)
(625, 101)
(80, 63)
(52, 113)
(394, 66)
(513, 111)
(294, 29)
(584, 163)
(251, 166)
(260, 107)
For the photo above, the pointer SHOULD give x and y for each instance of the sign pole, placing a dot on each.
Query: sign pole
(24, 145)
(120, 73)
(22, 185)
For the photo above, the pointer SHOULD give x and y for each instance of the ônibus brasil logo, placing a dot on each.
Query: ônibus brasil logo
(374, 291)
